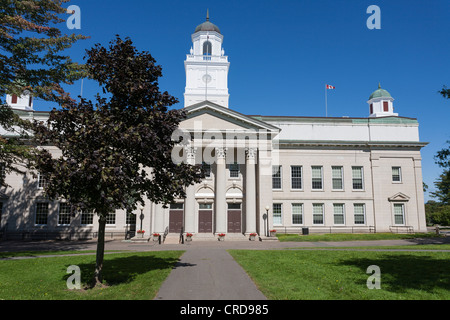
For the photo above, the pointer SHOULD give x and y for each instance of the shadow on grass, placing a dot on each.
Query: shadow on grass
(121, 270)
(400, 273)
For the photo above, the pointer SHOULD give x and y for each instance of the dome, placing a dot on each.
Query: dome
(380, 93)
(207, 26)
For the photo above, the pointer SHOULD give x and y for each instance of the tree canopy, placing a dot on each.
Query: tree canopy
(32, 59)
(117, 150)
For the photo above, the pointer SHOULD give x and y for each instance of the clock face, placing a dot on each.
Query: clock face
(206, 78)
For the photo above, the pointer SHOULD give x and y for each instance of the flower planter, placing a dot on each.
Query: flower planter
(252, 236)
(156, 237)
(141, 233)
(273, 233)
(221, 237)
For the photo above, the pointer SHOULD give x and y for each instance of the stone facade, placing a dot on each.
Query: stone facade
(265, 172)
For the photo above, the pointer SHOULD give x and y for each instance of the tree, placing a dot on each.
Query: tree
(442, 185)
(445, 92)
(116, 151)
(31, 59)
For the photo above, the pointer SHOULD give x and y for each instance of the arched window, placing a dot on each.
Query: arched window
(207, 48)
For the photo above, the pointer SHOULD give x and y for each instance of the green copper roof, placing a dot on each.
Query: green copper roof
(380, 93)
(207, 26)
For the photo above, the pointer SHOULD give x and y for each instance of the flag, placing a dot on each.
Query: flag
(330, 87)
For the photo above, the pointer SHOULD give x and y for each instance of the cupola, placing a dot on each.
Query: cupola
(381, 103)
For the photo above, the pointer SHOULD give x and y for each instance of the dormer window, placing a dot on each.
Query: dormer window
(385, 106)
(207, 48)
(14, 99)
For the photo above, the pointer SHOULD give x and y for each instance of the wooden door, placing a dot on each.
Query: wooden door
(205, 221)
(234, 221)
(175, 221)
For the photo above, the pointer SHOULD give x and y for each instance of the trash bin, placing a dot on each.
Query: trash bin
(305, 231)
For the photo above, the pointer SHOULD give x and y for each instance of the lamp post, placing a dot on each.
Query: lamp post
(267, 220)
(141, 216)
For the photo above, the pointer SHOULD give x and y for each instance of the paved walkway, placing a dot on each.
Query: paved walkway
(206, 271)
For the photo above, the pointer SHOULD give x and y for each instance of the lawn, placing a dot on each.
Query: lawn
(325, 275)
(136, 276)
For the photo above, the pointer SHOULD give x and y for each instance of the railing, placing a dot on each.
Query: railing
(192, 57)
(401, 229)
(322, 229)
(166, 232)
(181, 236)
(60, 235)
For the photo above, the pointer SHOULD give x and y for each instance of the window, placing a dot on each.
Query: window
(357, 174)
(177, 206)
(296, 177)
(338, 209)
(385, 106)
(317, 213)
(1, 212)
(371, 108)
(234, 170)
(41, 213)
(359, 213)
(64, 213)
(87, 217)
(111, 218)
(2, 171)
(317, 177)
(207, 169)
(297, 213)
(276, 177)
(399, 213)
(336, 173)
(131, 218)
(205, 206)
(234, 206)
(277, 214)
(14, 99)
(396, 174)
(42, 181)
(207, 48)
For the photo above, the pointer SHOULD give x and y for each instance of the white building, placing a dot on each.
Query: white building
(325, 174)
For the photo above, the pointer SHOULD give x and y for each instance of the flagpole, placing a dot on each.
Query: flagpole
(326, 102)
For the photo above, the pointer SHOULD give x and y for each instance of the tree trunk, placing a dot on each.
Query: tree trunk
(98, 276)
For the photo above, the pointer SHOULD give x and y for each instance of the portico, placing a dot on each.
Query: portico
(230, 146)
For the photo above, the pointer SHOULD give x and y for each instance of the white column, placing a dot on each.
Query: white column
(220, 196)
(250, 191)
(189, 201)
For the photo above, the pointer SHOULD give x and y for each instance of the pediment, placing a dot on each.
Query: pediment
(210, 116)
(399, 197)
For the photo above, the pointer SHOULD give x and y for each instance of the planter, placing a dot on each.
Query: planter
(221, 237)
(273, 233)
(141, 233)
(252, 236)
(156, 237)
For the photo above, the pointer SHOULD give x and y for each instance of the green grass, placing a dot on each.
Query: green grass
(351, 236)
(335, 275)
(402, 247)
(129, 276)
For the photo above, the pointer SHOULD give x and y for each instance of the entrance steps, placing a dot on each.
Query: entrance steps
(174, 238)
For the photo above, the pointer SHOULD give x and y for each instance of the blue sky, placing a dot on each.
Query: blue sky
(283, 52)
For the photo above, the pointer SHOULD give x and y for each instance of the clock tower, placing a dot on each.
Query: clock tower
(206, 67)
